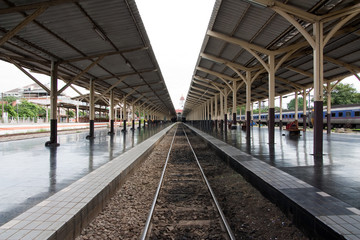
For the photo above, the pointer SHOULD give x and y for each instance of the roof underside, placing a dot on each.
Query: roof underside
(101, 40)
(236, 22)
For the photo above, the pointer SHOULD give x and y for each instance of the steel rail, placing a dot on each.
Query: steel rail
(227, 226)
(148, 220)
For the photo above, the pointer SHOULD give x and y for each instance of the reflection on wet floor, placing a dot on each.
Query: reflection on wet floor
(31, 172)
(337, 173)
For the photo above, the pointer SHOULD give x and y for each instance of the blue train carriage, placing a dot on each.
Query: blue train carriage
(344, 116)
(347, 116)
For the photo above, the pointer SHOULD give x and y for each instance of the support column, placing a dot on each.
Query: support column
(53, 106)
(318, 89)
(77, 113)
(92, 110)
(111, 110)
(47, 113)
(252, 113)
(296, 106)
(328, 118)
(125, 116)
(304, 110)
(225, 109)
(211, 112)
(221, 111)
(271, 113)
(133, 117)
(281, 115)
(259, 114)
(216, 107)
(234, 106)
(144, 117)
(248, 102)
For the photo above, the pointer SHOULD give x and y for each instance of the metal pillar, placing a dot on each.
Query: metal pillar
(328, 117)
(92, 110)
(124, 117)
(304, 110)
(221, 105)
(296, 106)
(271, 113)
(77, 113)
(281, 115)
(234, 106)
(216, 107)
(248, 102)
(133, 117)
(259, 103)
(112, 117)
(53, 106)
(318, 89)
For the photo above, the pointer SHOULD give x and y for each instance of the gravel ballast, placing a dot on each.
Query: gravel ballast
(250, 215)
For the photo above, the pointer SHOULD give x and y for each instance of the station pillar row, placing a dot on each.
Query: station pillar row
(53, 106)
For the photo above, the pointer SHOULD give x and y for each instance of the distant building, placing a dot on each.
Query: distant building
(29, 91)
(182, 99)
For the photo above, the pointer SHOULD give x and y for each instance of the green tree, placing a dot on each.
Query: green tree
(70, 113)
(10, 99)
(291, 104)
(343, 94)
(27, 109)
(10, 110)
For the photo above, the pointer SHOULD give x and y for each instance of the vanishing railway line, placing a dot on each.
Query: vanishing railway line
(184, 204)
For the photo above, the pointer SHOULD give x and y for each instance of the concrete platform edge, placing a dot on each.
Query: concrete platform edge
(316, 213)
(67, 212)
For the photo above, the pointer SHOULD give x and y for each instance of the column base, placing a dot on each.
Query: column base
(53, 134)
(91, 132)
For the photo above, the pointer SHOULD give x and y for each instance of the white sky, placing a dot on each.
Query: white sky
(176, 29)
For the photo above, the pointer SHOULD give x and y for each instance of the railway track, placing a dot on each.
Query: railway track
(184, 206)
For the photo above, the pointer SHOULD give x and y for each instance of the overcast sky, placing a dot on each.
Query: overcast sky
(176, 29)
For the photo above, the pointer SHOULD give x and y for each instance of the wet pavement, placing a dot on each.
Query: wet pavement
(31, 172)
(337, 173)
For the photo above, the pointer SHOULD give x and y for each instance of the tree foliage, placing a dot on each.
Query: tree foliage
(24, 109)
(70, 113)
(28, 109)
(343, 94)
(291, 104)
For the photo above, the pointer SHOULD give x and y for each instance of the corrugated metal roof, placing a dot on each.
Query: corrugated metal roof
(263, 27)
(76, 33)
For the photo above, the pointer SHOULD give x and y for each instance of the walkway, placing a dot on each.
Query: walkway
(338, 173)
(43, 127)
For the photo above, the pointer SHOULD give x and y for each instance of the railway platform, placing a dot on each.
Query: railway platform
(323, 193)
(51, 187)
(9, 129)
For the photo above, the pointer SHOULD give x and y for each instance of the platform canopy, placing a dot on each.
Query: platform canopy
(89, 39)
(243, 34)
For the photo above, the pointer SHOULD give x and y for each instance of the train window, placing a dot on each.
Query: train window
(341, 114)
(301, 115)
(348, 114)
(357, 114)
(333, 114)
